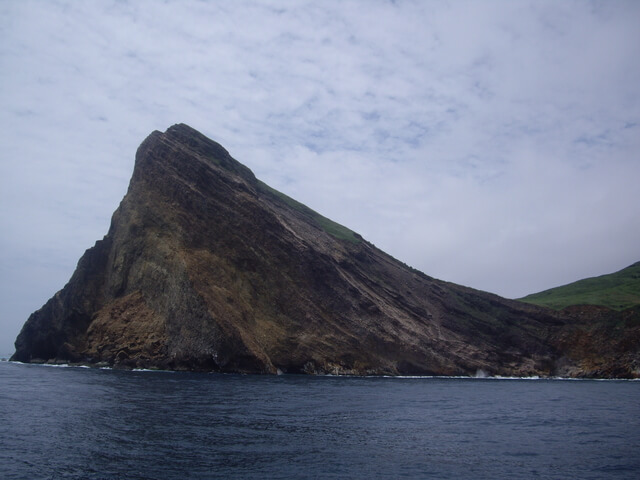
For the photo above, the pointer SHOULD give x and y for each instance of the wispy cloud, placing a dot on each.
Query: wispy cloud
(493, 144)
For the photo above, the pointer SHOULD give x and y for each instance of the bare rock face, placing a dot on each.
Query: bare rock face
(206, 268)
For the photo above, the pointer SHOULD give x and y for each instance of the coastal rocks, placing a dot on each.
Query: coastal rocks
(206, 268)
(600, 342)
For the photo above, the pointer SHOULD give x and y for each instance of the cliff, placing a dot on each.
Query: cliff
(204, 267)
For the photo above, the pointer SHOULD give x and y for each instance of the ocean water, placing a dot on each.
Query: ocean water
(80, 423)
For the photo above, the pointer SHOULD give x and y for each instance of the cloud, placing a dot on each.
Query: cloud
(493, 144)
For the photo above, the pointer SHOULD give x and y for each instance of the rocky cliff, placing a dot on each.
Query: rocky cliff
(206, 268)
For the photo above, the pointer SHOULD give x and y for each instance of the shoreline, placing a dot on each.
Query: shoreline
(325, 375)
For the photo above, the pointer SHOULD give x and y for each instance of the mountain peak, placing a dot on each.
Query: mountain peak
(191, 146)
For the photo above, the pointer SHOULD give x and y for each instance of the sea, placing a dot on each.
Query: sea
(89, 423)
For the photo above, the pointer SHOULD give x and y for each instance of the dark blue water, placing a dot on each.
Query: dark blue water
(76, 423)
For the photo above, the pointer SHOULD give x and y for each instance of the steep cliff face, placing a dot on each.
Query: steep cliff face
(599, 342)
(205, 267)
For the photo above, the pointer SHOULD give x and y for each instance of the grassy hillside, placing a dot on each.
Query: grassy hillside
(617, 291)
(327, 225)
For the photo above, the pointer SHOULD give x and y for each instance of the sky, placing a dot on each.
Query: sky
(494, 144)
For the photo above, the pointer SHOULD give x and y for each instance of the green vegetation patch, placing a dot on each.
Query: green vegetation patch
(329, 226)
(618, 291)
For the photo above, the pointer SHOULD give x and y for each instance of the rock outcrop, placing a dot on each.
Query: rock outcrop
(206, 268)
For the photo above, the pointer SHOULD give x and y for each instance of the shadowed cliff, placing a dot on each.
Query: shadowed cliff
(206, 268)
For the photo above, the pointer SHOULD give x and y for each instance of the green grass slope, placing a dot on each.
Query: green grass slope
(617, 291)
(329, 226)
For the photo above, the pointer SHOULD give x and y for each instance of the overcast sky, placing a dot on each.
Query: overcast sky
(492, 144)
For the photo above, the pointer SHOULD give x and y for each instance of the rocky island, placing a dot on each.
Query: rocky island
(206, 268)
